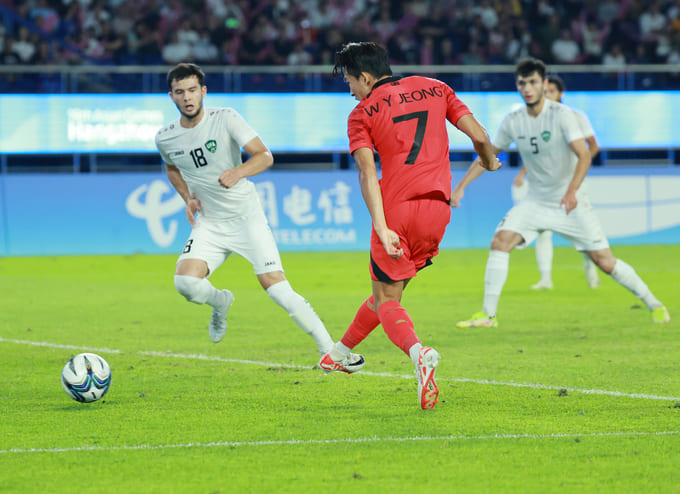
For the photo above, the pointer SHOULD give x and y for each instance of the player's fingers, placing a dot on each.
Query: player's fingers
(190, 213)
(391, 249)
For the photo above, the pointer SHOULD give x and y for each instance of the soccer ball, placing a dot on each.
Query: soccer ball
(86, 377)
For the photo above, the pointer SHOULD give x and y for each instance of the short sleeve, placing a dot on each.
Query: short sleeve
(164, 156)
(238, 128)
(455, 108)
(570, 126)
(584, 123)
(504, 136)
(357, 132)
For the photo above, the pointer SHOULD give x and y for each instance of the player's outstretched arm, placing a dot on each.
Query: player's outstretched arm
(457, 193)
(475, 170)
(480, 140)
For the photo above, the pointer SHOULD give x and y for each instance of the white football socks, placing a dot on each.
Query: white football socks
(302, 313)
(544, 255)
(590, 269)
(414, 353)
(497, 266)
(626, 276)
(339, 351)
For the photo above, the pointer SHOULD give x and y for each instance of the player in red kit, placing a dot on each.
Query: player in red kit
(404, 120)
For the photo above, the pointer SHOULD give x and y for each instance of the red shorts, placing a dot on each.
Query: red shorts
(420, 224)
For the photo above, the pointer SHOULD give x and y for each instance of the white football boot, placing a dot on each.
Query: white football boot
(218, 320)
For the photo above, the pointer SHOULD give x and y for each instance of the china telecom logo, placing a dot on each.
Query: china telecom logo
(146, 203)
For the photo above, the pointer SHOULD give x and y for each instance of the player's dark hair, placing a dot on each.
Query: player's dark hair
(366, 56)
(528, 66)
(183, 70)
(557, 81)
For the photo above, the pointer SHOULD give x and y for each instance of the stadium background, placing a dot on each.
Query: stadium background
(76, 85)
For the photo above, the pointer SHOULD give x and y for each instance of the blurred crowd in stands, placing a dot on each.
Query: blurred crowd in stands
(303, 32)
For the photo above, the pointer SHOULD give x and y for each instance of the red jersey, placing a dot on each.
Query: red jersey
(404, 120)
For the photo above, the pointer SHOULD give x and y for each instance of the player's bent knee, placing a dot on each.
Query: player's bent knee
(607, 265)
(500, 245)
(603, 259)
(267, 280)
(502, 241)
(190, 288)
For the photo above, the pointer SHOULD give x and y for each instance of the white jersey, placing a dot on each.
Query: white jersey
(543, 144)
(584, 123)
(203, 152)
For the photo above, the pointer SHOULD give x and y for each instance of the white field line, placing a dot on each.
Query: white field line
(374, 439)
(58, 345)
(169, 354)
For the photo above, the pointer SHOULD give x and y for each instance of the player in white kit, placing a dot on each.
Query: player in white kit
(554, 90)
(202, 153)
(553, 149)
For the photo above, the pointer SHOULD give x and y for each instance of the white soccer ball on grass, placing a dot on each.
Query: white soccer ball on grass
(86, 377)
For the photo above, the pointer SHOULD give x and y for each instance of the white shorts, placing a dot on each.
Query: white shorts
(519, 193)
(248, 236)
(581, 226)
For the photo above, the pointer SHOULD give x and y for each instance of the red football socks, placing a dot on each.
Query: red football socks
(398, 325)
(365, 321)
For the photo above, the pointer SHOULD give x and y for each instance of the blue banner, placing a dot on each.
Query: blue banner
(84, 123)
(58, 214)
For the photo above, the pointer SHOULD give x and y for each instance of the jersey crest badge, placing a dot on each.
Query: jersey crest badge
(211, 145)
(545, 135)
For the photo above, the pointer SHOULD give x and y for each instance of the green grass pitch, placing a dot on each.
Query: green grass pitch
(577, 390)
